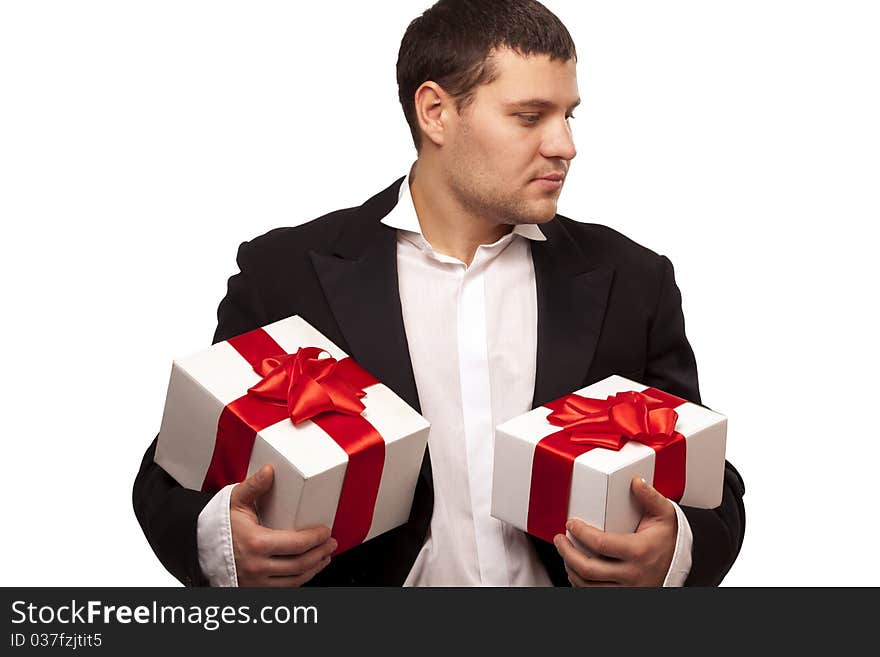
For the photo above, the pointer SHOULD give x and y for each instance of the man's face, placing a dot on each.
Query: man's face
(515, 131)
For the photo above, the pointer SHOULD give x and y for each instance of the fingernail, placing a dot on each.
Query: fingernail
(557, 541)
(569, 525)
(644, 483)
(333, 544)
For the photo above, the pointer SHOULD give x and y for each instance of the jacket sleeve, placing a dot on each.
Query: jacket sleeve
(718, 533)
(167, 512)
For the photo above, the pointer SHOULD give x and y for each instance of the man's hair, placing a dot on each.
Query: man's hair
(451, 44)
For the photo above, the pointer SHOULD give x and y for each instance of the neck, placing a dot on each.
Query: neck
(449, 227)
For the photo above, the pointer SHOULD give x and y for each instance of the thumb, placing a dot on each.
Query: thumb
(254, 487)
(650, 499)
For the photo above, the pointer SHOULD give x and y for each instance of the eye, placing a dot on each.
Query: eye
(534, 118)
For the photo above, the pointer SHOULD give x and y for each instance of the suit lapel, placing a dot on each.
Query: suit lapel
(572, 296)
(359, 280)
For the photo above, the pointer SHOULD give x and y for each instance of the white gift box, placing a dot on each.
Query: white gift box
(310, 466)
(601, 478)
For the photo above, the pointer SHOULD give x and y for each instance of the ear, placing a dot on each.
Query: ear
(432, 106)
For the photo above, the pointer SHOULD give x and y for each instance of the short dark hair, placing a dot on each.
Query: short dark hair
(450, 44)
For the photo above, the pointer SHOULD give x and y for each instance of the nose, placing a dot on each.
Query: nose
(558, 141)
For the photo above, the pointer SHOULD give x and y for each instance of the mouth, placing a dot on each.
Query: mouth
(549, 183)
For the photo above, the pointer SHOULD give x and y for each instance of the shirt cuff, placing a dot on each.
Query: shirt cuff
(680, 567)
(214, 539)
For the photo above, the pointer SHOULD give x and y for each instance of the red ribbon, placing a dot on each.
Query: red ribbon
(306, 385)
(646, 417)
(301, 387)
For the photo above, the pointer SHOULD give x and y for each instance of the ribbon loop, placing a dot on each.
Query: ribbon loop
(307, 384)
(610, 422)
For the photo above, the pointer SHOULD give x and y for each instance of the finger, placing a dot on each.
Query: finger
(609, 544)
(650, 499)
(283, 542)
(247, 492)
(596, 568)
(579, 582)
(298, 580)
(574, 579)
(292, 566)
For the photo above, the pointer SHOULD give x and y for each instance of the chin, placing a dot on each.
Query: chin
(529, 211)
(545, 213)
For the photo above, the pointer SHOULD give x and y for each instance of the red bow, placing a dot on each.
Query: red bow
(610, 422)
(306, 384)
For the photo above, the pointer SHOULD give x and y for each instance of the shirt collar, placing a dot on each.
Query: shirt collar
(403, 217)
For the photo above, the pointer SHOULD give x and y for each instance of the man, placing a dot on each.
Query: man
(461, 289)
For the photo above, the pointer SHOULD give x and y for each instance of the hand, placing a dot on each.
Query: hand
(272, 557)
(639, 559)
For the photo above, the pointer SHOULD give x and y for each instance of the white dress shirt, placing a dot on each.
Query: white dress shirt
(472, 334)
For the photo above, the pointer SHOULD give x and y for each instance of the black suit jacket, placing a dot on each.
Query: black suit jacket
(605, 305)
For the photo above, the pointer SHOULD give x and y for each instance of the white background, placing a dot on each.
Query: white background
(140, 143)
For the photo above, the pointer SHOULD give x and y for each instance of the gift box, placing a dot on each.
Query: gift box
(346, 449)
(577, 456)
